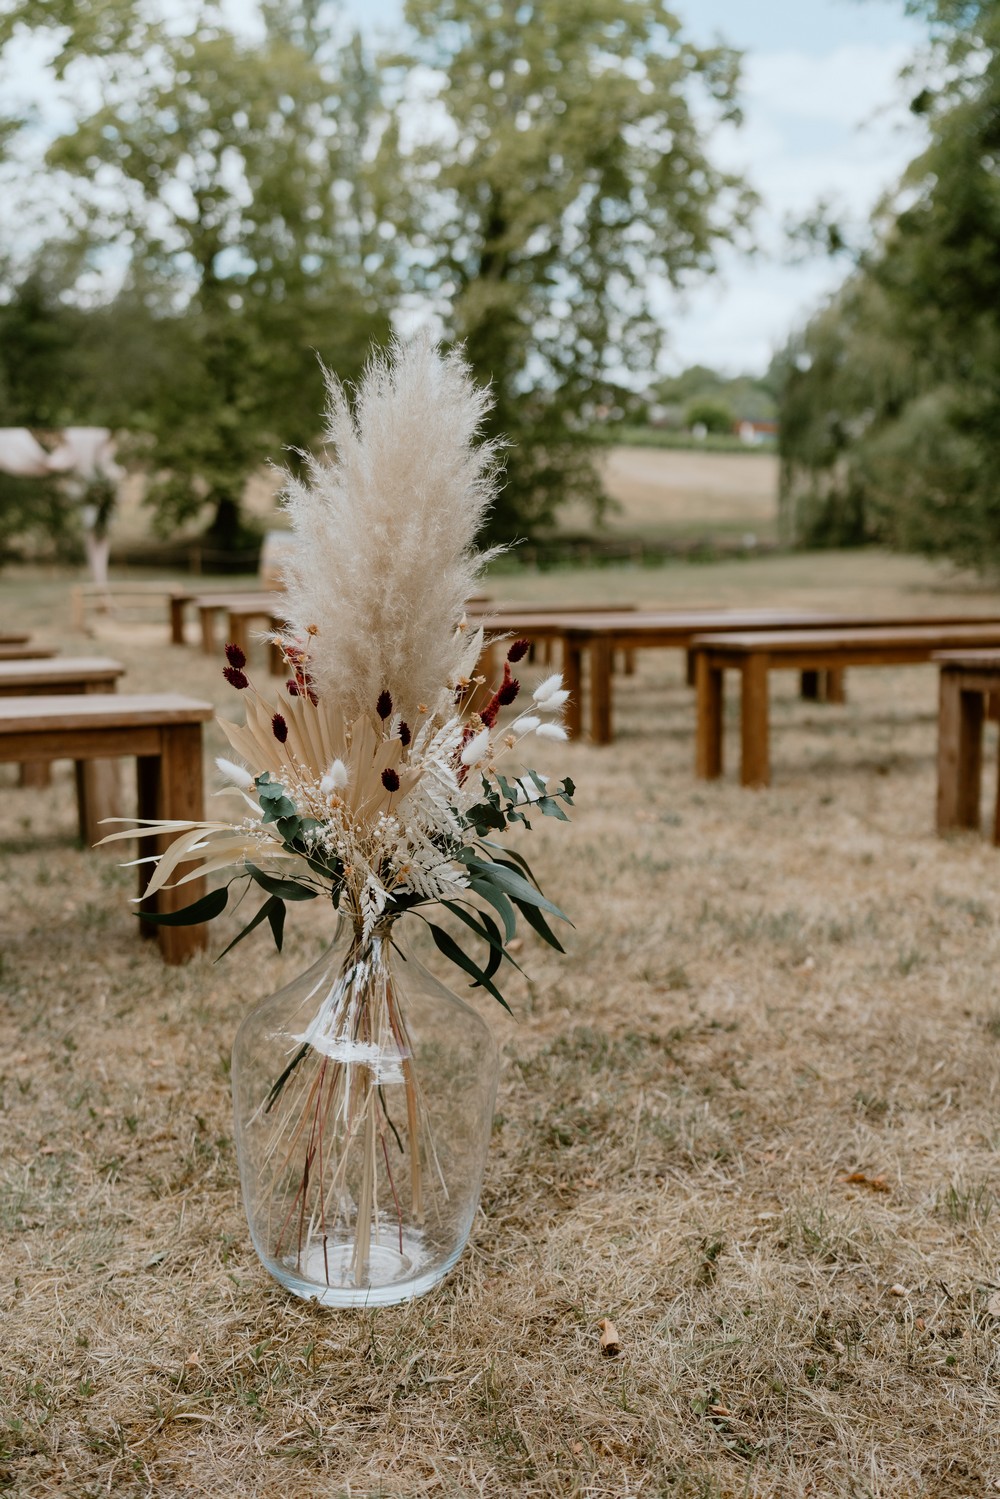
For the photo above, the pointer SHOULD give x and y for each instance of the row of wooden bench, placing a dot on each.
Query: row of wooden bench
(68, 708)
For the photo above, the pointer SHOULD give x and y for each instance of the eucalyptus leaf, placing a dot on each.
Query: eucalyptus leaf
(205, 909)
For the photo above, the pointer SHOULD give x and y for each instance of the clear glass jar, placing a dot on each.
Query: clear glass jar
(363, 1093)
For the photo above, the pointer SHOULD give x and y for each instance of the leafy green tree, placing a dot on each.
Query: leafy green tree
(890, 419)
(560, 168)
(710, 412)
(220, 179)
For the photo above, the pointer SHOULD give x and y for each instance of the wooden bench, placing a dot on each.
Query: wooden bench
(164, 735)
(756, 653)
(60, 675)
(25, 651)
(208, 603)
(8, 637)
(594, 638)
(240, 611)
(969, 682)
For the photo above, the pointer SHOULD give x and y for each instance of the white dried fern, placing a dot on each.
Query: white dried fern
(386, 529)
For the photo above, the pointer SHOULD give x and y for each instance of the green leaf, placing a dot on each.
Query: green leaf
(264, 914)
(275, 909)
(549, 807)
(500, 904)
(452, 951)
(285, 889)
(535, 919)
(206, 909)
(497, 872)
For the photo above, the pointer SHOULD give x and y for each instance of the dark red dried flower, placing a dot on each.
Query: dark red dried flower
(489, 713)
(384, 706)
(235, 656)
(279, 728)
(508, 692)
(519, 650)
(292, 688)
(390, 780)
(235, 677)
(404, 734)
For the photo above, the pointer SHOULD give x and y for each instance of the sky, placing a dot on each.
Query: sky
(825, 119)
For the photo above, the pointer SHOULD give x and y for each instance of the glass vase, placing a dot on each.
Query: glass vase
(363, 1094)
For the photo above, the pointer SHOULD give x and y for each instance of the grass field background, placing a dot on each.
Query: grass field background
(752, 1117)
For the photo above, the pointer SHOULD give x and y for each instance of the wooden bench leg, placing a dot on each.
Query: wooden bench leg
(35, 775)
(600, 689)
(176, 621)
(628, 662)
(960, 753)
(708, 738)
(239, 632)
(98, 796)
(834, 689)
(572, 673)
(207, 617)
(755, 765)
(690, 668)
(809, 686)
(171, 786)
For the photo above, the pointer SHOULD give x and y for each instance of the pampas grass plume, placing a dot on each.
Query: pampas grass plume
(386, 527)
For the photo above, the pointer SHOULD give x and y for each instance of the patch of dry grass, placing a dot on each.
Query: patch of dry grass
(766, 994)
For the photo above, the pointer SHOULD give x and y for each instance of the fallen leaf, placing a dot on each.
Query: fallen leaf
(898, 1290)
(862, 1179)
(993, 1305)
(719, 1410)
(610, 1343)
(193, 1360)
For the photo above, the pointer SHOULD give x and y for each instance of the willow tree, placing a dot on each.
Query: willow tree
(547, 172)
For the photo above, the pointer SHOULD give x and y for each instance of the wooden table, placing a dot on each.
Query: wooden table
(162, 732)
(756, 653)
(9, 637)
(968, 680)
(58, 676)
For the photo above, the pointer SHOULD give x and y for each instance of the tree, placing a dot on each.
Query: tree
(229, 168)
(891, 412)
(559, 170)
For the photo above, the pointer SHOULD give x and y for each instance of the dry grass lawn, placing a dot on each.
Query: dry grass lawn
(753, 1118)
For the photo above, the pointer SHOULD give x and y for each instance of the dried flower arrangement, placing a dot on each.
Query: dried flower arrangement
(372, 774)
(371, 779)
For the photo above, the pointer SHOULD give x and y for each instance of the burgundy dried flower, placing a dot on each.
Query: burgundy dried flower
(519, 650)
(384, 706)
(235, 677)
(404, 734)
(390, 780)
(235, 656)
(292, 687)
(279, 728)
(508, 692)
